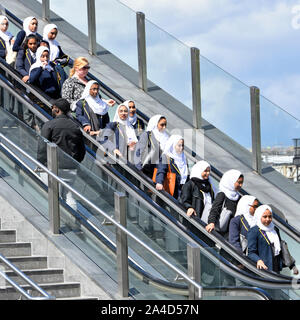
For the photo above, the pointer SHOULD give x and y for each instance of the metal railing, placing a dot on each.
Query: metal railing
(255, 118)
(195, 288)
(45, 295)
(218, 240)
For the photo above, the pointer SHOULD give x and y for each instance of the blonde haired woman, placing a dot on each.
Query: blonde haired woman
(74, 86)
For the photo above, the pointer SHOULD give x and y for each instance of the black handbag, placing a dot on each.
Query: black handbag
(287, 258)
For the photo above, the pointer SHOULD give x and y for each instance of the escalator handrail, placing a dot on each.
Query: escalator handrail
(224, 264)
(174, 203)
(214, 236)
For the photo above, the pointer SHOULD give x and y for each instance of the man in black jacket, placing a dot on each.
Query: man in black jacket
(66, 134)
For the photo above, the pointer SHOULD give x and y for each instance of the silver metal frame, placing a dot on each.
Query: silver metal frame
(53, 188)
(141, 47)
(46, 10)
(91, 18)
(122, 245)
(255, 129)
(196, 89)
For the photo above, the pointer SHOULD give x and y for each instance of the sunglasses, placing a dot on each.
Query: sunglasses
(86, 67)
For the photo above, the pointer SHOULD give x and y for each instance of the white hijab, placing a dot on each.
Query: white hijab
(161, 137)
(270, 231)
(128, 127)
(198, 168)
(227, 182)
(54, 50)
(179, 159)
(133, 119)
(96, 104)
(26, 23)
(6, 36)
(38, 62)
(243, 208)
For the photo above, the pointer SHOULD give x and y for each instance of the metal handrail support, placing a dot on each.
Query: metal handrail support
(122, 245)
(93, 206)
(141, 46)
(46, 296)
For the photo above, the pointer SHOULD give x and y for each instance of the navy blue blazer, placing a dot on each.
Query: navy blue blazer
(111, 138)
(19, 40)
(48, 82)
(259, 247)
(2, 48)
(83, 115)
(162, 169)
(24, 62)
(238, 225)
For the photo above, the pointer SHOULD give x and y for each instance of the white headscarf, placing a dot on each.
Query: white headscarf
(6, 36)
(38, 62)
(161, 137)
(227, 182)
(26, 23)
(198, 168)
(129, 128)
(96, 104)
(54, 50)
(133, 119)
(179, 159)
(243, 208)
(270, 231)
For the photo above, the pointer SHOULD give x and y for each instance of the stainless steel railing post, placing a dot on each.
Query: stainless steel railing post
(46, 10)
(196, 89)
(91, 17)
(53, 188)
(141, 46)
(194, 270)
(255, 128)
(122, 245)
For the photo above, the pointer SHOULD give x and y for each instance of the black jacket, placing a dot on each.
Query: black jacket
(217, 205)
(192, 197)
(64, 132)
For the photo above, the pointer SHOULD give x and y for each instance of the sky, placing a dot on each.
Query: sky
(256, 41)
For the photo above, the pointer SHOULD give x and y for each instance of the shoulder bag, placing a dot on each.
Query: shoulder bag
(223, 221)
(169, 181)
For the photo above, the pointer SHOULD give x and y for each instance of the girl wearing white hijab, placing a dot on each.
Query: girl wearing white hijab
(137, 123)
(6, 38)
(227, 197)
(44, 75)
(91, 110)
(49, 35)
(154, 126)
(174, 156)
(30, 26)
(197, 194)
(243, 221)
(151, 145)
(120, 132)
(261, 239)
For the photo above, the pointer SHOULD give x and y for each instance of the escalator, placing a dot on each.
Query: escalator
(148, 226)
